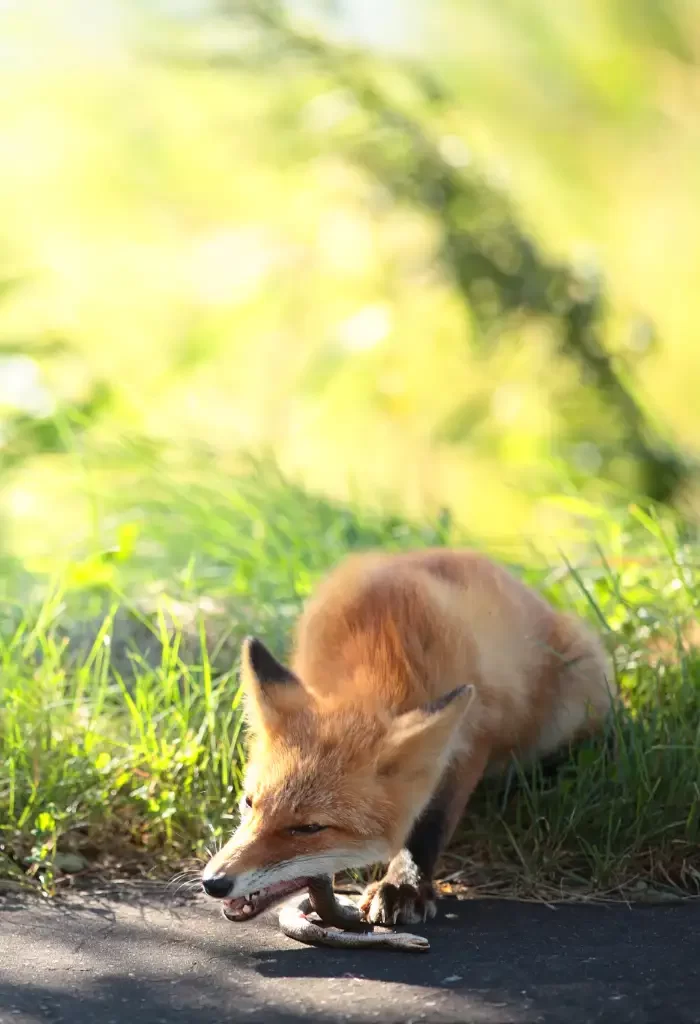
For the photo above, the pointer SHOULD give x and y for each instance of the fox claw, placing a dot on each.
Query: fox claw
(389, 904)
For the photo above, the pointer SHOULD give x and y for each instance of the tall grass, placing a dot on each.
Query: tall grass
(121, 734)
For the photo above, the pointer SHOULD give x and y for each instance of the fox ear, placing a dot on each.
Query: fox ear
(271, 690)
(423, 739)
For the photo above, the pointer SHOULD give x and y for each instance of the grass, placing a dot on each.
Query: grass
(120, 729)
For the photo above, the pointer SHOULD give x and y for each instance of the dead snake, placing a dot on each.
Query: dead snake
(337, 912)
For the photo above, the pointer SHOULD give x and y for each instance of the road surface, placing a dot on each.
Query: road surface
(146, 960)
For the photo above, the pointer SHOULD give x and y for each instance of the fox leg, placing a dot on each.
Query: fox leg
(405, 895)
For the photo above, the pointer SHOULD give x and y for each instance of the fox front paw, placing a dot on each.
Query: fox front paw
(391, 903)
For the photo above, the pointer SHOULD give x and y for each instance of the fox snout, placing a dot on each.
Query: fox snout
(219, 886)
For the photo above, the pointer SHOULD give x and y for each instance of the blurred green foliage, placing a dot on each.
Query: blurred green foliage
(435, 260)
(417, 253)
(494, 263)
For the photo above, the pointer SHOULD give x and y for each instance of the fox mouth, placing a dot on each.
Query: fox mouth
(245, 907)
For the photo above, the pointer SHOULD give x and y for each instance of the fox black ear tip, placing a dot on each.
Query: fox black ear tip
(263, 664)
(253, 650)
(253, 645)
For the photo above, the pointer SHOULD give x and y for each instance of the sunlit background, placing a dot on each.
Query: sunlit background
(283, 280)
(354, 237)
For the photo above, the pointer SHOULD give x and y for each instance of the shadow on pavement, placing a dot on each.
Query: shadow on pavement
(491, 962)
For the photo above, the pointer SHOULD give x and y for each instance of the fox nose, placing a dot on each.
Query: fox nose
(218, 886)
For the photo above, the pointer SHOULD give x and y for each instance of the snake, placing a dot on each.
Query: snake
(340, 923)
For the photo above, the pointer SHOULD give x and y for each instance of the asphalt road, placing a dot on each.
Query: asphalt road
(145, 960)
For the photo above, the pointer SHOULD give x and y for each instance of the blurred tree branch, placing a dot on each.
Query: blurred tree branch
(498, 268)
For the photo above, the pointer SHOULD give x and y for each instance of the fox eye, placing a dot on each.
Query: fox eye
(304, 830)
(249, 801)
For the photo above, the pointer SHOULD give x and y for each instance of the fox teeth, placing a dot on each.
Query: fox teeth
(250, 901)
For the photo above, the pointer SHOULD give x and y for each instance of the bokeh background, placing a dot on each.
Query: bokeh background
(284, 280)
(423, 255)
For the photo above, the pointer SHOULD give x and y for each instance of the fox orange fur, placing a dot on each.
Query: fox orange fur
(412, 675)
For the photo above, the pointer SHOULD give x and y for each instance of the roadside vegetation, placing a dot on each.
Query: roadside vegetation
(121, 734)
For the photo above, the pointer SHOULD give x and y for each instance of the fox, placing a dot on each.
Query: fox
(412, 676)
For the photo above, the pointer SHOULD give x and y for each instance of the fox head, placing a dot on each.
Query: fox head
(329, 785)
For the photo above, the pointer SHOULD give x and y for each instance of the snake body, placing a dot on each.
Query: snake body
(340, 923)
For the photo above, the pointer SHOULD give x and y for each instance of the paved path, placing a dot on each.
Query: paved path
(145, 961)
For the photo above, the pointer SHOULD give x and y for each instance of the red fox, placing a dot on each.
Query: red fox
(412, 675)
